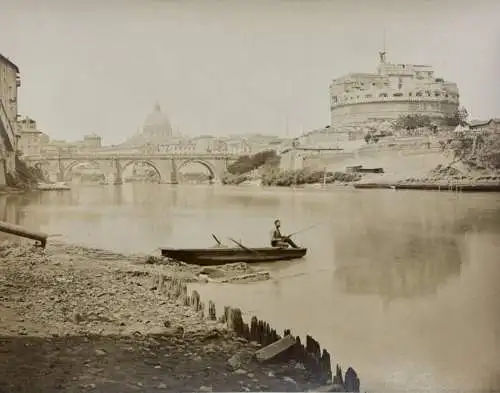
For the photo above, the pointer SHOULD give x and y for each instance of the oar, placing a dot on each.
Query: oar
(242, 246)
(217, 240)
(304, 229)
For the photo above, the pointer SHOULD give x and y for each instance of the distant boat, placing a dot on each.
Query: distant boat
(222, 256)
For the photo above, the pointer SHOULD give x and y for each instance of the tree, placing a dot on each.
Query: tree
(458, 118)
(461, 115)
(412, 122)
(488, 151)
(477, 150)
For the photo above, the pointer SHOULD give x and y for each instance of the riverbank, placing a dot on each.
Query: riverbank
(6, 190)
(79, 319)
(442, 178)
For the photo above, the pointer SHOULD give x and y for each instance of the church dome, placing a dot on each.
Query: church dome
(156, 130)
(157, 123)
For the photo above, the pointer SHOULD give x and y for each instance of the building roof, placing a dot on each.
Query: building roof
(482, 123)
(92, 136)
(9, 62)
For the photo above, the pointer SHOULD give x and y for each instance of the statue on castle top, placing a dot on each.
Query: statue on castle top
(382, 56)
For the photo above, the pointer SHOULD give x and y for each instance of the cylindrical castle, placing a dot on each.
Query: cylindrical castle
(395, 90)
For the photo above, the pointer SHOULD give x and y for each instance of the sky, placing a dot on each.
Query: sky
(235, 66)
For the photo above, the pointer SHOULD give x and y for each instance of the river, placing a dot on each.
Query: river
(403, 286)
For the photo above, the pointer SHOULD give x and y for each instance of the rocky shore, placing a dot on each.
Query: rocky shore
(74, 319)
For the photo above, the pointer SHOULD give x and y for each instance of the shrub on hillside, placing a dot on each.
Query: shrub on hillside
(477, 150)
(247, 164)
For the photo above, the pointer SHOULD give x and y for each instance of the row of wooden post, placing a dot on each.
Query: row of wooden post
(315, 360)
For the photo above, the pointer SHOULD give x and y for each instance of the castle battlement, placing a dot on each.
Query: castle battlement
(394, 90)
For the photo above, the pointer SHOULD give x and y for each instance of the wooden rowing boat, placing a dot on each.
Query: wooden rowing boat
(222, 256)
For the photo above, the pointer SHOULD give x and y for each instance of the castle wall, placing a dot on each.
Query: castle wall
(389, 109)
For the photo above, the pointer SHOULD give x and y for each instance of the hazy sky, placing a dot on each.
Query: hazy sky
(224, 67)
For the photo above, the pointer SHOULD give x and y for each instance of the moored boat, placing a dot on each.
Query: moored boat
(222, 256)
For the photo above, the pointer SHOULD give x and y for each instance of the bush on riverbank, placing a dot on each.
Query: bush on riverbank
(247, 164)
(229, 179)
(304, 176)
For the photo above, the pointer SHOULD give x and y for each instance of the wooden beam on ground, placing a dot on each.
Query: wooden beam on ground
(23, 232)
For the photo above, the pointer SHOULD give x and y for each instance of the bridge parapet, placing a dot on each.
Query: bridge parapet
(134, 156)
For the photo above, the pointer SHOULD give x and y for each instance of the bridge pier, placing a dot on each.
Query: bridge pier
(167, 170)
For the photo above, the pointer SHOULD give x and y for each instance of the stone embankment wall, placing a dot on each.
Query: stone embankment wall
(405, 158)
(2, 172)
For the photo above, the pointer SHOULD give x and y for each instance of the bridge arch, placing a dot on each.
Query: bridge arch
(67, 169)
(147, 162)
(209, 166)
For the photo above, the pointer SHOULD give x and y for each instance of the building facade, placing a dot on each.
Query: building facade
(30, 141)
(91, 142)
(395, 90)
(9, 84)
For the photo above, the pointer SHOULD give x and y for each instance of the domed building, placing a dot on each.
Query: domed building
(394, 90)
(156, 130)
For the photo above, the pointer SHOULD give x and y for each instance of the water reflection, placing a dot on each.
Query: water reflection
(397, 267)
(8, 210)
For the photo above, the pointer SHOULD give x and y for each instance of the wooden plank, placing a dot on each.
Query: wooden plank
(23, 232)
(276, 348)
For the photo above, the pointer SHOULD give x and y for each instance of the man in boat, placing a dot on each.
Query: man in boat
(278, 240)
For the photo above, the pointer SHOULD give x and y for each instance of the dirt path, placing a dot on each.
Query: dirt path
(75, 319)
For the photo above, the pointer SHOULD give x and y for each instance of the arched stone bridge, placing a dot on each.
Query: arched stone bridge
(166, 166)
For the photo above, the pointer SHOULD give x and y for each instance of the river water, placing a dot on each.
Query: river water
(403, 286)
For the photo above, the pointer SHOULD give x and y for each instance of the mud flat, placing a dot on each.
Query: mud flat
(74, 319)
